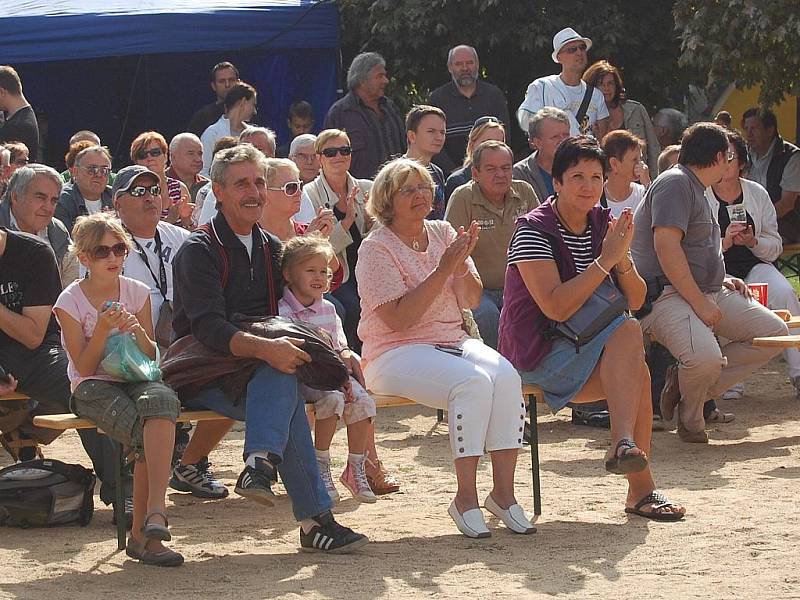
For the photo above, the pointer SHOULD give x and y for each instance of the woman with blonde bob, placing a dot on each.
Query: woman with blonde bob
(415, 276)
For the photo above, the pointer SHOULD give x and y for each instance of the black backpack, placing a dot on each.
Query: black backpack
(41, 493)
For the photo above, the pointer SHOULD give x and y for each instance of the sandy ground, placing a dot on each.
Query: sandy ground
(740, 539)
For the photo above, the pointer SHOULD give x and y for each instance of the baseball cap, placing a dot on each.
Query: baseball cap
(125, 178)
(565, 36)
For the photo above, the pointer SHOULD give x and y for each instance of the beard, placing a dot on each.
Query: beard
(465, 80)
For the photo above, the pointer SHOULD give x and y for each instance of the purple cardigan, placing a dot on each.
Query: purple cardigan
(523, 325)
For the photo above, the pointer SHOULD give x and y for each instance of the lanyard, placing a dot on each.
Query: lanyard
(161, 280)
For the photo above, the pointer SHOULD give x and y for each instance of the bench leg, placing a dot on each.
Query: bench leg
(535, 476)
(439, 415)
(119, 495)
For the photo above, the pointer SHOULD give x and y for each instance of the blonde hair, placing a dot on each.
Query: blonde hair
(389, 180)
(475, 133)
(326, 136)
(89, 231)
(303, 247)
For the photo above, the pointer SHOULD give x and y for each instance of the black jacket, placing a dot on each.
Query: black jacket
(214, 278)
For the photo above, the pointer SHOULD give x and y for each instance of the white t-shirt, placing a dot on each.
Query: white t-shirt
(632, 201)
(247, 240)
(210, 136)
(93, 206)
(171, 239)
(552, 91)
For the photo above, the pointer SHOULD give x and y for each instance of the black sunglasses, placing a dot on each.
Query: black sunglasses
(331, 152)
(138, 191)
(101, 252)
(574, 49)
(483, 120)
(154, 152)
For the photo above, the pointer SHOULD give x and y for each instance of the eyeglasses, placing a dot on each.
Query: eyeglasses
(422, 188)
(306, 158)
(101, 252)
(140, 190)
(290, 188)
(331, 152)
(484, 121)
(154, 152)
(574, 49)
(95, 170)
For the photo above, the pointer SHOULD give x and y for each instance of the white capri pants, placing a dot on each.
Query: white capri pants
(780, 294)
(480, 390)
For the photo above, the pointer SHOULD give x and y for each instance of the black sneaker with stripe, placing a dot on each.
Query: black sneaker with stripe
(197, 479)
(328, 536)
(255, 483)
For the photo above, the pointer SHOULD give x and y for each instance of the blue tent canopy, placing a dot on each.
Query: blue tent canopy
(120, 67)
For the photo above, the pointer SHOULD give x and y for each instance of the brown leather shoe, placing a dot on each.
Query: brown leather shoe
(379, 479)
(692, 437)
(671, 394)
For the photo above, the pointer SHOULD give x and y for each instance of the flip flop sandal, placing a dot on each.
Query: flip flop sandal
(156, 531)
(659, 502)
(627, 462)
(720, 417)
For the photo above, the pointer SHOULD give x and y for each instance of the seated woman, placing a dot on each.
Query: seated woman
(139, 414)
(415, 276)
(751, 248)
(483, 130)
(560, 253)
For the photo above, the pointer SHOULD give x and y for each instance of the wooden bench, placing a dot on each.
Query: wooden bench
(14, 443)
(781, 341)
(790, 259)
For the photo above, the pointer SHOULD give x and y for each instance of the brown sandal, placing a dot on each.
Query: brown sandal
(156, 531)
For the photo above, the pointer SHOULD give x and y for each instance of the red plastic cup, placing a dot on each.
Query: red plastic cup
(760, 292)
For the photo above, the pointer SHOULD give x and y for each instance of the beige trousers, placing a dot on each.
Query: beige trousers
(704, 369)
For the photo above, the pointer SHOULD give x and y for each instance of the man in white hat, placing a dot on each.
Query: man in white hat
(584, 106)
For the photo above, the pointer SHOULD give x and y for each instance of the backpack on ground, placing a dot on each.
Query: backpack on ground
(41, 493)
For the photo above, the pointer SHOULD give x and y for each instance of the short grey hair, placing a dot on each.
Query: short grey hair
(5, 157)
(91, 150)
(177, 140)
(301, 141)
(242, 153)
(24, 176)
(548, 112)
(251, 131)
(488, 146)
(453, 51)
(673, 120)
(274, 164)
(361, 66)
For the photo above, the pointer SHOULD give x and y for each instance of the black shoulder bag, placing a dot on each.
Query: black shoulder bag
(581, 117)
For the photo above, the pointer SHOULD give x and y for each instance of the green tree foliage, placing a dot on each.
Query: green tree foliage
(743, 41)
(514, 42)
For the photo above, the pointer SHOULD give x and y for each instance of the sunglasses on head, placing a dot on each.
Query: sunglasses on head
(138, 191)
(154, 152)
(574, 49)
(484, 121)
(290, 188)
(331, 152)
(101, 252)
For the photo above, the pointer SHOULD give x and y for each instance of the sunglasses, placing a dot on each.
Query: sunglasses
(154, 152)
(290, 188)
(331, 152)
(101, 252)
(94, 170)
(574, 49)
(140, 190)
(484, 121)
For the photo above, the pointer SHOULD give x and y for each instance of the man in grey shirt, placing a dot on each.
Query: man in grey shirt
(677, 250)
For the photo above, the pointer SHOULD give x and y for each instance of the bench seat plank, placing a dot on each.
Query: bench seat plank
(70, 421)
(781, 341)
(14, 396)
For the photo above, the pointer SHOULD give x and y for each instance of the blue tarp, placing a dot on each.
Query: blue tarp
(120, 67)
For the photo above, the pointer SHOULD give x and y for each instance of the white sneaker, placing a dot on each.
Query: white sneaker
(327, 479)
(735, 392)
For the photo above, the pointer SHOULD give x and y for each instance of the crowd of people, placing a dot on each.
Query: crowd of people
(434, 265)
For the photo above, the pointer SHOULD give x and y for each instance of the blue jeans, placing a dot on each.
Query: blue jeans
(487, 316)
(347, 294)
(275, 422)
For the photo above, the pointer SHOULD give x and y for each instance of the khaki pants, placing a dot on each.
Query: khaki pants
(704, 369)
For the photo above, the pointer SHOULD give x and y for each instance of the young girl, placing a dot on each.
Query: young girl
(305, 269)
(140, 415)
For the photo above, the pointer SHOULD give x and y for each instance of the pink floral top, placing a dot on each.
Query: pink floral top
(386, 270)
(133, 295)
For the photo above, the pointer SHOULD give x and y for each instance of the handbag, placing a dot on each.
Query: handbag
(125, 360)
(605, 304)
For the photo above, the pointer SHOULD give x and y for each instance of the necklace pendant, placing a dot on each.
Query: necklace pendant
(415, 245)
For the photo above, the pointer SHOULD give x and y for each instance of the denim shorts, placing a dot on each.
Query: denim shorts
(121, 408)
(563, 372)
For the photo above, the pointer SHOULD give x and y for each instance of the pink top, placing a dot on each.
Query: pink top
(321, 314)
(386, 270)
(133, 295)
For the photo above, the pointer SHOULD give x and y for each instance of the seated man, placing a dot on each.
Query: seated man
(30, 347)
(677, 249)
(88, 192)
(495, 201)
(232, 266)
(156, 243)
(186, 162)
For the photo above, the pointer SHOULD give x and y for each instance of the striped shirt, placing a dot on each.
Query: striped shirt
(528, 243)
(321, 314)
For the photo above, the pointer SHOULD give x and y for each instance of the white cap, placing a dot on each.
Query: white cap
(565, 36)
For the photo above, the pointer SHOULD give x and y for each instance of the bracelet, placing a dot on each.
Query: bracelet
(599, 266)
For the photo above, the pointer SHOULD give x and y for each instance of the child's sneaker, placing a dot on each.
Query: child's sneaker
(354, 478)
(327, 479)
(328, 536)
